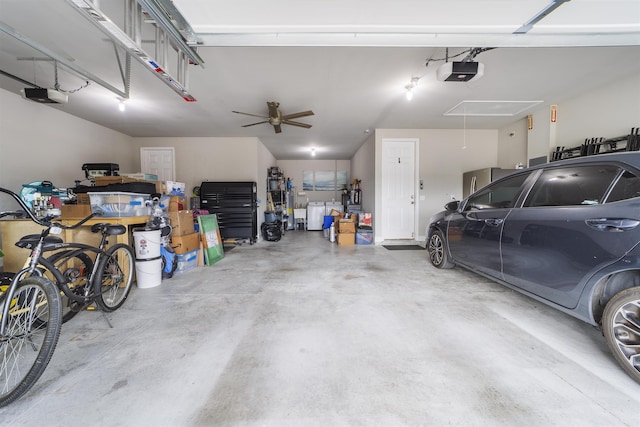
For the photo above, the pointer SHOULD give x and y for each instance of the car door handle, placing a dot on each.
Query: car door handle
(493, 222)
(613, 224)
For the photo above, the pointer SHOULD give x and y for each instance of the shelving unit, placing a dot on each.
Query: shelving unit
(279, 197)
(593, 146)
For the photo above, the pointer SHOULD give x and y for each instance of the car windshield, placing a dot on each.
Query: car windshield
(500, 195)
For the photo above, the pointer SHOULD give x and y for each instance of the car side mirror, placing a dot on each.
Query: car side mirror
(452, 206)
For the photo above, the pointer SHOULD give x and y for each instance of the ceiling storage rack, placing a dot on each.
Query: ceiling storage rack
(593, 146)
(173, 39)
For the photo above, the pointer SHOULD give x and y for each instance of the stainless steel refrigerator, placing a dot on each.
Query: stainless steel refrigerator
(474, 180)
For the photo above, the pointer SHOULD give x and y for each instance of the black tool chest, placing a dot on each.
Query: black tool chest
(235, 204)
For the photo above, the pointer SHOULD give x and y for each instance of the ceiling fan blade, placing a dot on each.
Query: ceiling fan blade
(277, 128)
(298, 115)
(253, 124)
(247, 114)
(302, 125)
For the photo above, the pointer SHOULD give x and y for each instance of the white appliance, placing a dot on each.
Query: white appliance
(315, 215)
(474, 180)
(329, 206)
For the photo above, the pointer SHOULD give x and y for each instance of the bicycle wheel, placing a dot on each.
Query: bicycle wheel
(30, 337)
(76, 268)
(114, 277)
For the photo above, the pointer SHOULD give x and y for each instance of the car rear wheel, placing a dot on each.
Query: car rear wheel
(621, 328)
(438, 252)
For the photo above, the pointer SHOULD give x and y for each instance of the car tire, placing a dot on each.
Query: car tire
(438, 250)
(621, 328)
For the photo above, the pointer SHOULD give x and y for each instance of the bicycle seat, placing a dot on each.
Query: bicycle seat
(109, 229)
(30, 241)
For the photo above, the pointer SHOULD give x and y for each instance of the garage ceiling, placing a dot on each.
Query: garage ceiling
(348, 61)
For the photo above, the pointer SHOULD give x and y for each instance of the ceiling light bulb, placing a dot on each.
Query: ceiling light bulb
(313, 151)
(409, 93)
(121, 106)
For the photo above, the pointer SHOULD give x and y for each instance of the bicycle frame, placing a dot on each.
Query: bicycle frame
(35, 258)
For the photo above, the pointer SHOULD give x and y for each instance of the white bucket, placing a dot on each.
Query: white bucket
(146, 243)
(149, 273)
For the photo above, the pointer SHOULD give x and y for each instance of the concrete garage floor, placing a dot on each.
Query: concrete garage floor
(305, 333)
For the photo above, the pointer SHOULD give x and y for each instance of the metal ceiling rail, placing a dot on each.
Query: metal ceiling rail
(84, 74)
(130, 40)
(527, 26)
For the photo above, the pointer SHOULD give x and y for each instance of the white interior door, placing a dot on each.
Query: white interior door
(158, 161)
(398, 188)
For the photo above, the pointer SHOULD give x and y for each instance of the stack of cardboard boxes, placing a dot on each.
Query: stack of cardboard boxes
(355, 229)
(346, 230)
(185, 241)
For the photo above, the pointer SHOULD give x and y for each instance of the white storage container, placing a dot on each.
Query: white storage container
(119, 204)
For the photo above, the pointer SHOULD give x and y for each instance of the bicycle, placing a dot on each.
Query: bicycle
(104, 278)
(32, 304)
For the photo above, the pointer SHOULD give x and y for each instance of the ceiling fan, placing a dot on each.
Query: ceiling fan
(276, 118)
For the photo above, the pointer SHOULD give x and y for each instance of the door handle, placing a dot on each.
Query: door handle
(493, 222)
(613, 224)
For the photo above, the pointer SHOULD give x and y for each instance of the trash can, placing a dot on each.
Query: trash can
(328, 220)
(147, 244)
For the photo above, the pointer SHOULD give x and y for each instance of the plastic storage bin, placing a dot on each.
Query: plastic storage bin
(119, 204)
(364, 237)
(187, 261)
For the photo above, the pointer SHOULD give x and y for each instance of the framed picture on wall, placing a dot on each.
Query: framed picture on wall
(325, 181)
(307, 180)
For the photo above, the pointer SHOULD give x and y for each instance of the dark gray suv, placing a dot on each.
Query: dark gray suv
(566, 233)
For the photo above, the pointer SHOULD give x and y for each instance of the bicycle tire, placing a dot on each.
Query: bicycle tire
(30, 336)
(77, 279)
(114, 277)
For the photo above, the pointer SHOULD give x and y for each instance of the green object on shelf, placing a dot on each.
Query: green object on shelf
(211, 239)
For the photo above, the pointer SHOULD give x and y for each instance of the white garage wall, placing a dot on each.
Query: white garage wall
(442, 161)
(608, 112)
(40, 142)
(212, 159)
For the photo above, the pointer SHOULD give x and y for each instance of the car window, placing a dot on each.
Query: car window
(571, 186)
(627, 187)
(502, 194)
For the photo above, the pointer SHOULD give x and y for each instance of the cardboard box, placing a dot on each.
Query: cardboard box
(141, 176)
(174, 188)
(176, 203)
(346, 226)
(346, 239)
(83, 199)
(186, 243)
(181, 222)
(106, 180)
(76, 211)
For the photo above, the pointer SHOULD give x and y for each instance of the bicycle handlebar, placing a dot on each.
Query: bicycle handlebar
(47, 220)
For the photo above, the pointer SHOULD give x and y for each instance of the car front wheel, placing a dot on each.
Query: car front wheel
(438, 252)
(621, 328)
